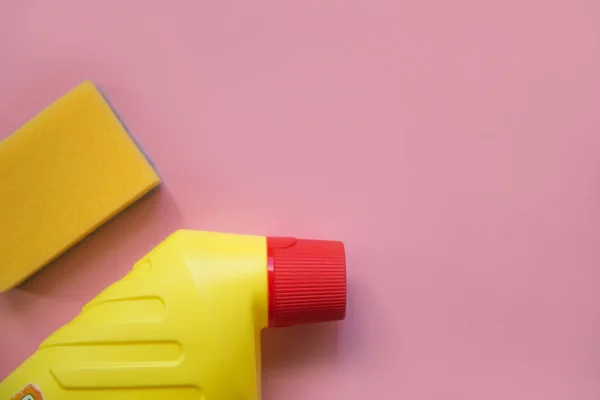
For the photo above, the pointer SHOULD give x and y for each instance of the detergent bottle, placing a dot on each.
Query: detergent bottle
(185, 323)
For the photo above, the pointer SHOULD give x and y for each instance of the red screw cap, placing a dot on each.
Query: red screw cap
(307, 281)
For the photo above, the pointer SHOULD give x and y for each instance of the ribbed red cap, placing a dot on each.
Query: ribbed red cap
(307, 281)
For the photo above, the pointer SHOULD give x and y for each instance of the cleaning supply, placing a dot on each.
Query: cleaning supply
(64, 173)
(185, 323)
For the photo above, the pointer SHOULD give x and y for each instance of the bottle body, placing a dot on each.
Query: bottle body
(184, 323)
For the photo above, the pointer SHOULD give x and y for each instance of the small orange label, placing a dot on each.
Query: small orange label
(29, 392)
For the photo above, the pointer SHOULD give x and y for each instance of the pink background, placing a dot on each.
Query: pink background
(453, 145)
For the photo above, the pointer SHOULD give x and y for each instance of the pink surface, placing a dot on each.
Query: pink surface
(453, 145)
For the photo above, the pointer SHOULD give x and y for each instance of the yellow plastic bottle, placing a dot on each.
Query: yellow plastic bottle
(185, 322)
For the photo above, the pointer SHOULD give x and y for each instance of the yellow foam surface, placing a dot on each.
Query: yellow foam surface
(62, 174)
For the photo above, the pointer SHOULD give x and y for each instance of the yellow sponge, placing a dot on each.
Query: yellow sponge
(64, 173)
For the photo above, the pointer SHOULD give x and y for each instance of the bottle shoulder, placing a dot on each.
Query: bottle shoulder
(187, 316)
